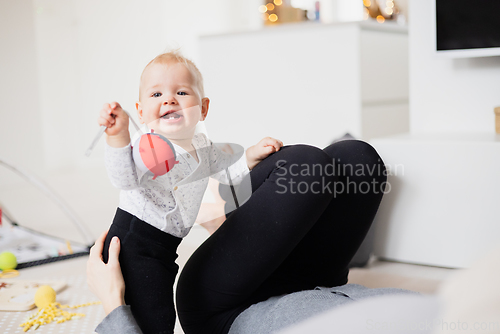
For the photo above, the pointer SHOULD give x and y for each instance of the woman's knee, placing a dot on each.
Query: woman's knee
(359, 160)
(304, 154)
(304, 166)
(354, 151)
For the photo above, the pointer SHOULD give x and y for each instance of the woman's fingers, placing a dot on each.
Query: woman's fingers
(114, 251)
(106, 280)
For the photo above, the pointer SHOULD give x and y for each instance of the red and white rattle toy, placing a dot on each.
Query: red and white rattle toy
(152, 152)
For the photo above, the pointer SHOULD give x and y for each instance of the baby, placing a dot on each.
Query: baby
(155, 213)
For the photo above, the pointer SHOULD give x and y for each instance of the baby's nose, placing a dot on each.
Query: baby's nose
(169, 101)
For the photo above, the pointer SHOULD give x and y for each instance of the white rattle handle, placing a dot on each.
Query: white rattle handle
(96, 139)
(101, 131)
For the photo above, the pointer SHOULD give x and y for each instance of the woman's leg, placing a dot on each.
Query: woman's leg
(323, 255)
(252, 256)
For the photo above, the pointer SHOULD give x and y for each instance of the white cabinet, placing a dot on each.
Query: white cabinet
(307, 82)
(442, 207)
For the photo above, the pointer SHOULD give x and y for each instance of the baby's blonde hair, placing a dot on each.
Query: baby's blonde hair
(176, 56)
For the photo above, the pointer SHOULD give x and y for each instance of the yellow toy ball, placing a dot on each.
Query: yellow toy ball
(44, 296)
(7, 261)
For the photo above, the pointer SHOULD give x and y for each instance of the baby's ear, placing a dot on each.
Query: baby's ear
(139, 111)
(205, 102)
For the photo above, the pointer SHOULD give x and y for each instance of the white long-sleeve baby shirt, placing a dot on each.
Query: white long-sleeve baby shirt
(171, 202)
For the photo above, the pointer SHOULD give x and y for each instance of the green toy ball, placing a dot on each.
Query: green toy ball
(7, 261)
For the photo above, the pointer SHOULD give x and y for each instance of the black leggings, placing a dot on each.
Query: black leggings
(298, 230)
(147, 261)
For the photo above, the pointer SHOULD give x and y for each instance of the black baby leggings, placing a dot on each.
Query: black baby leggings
(309, 211)
(147, 259)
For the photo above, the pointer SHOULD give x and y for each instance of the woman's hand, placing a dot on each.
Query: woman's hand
(116, 120)
(261, 150)
(106, 280)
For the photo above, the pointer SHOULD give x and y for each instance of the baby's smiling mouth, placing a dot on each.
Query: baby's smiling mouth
(171, 115)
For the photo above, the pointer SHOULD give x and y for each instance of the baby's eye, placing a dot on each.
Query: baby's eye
(156, 94)
(181, 93)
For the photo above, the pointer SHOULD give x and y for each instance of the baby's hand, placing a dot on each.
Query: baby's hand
(116, 120)
(261, 150)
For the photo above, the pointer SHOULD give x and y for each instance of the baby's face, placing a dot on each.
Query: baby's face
(169, 101)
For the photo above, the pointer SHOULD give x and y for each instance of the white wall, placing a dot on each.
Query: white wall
(195, 18)
(20, 130)
(448, 95)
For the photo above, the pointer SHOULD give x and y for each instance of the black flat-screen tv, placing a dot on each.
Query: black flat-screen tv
(467, 28)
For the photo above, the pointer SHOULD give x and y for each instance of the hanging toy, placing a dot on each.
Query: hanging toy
(152, 152)
(155, 154)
